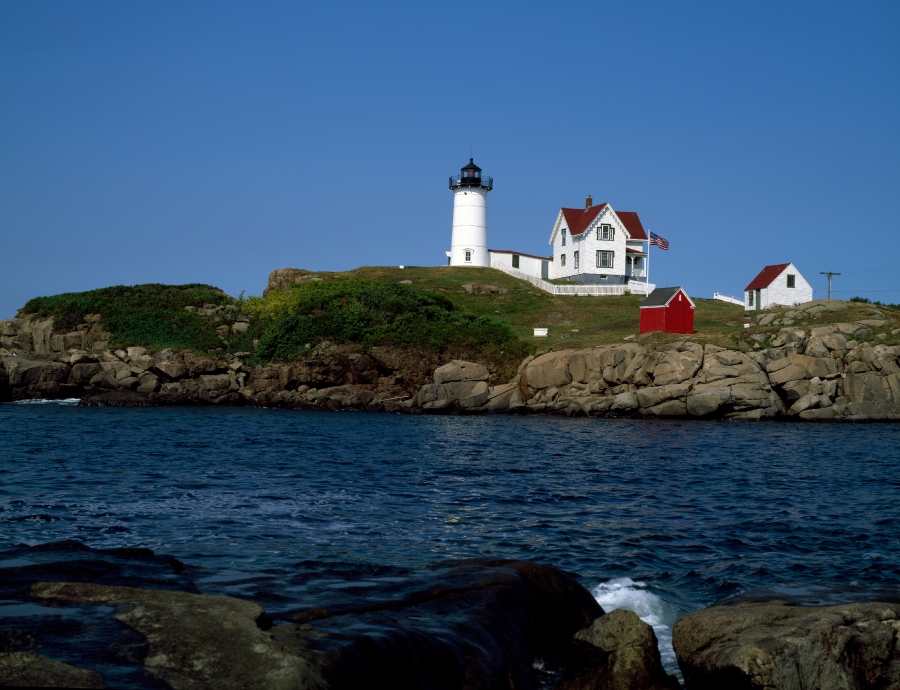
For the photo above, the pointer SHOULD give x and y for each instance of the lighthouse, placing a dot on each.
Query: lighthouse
(468, 244)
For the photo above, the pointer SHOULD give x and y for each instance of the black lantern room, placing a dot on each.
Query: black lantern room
(470, 176)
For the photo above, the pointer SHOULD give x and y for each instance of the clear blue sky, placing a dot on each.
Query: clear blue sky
(214, 142)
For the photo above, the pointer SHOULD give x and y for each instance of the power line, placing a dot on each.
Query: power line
(829, 274)
(867, 290)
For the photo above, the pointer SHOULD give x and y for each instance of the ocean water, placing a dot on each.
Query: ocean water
(654, 516)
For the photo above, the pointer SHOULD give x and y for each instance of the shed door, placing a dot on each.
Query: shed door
(758, 296)
(545, 270)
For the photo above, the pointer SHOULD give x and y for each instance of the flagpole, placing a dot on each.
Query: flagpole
(648, 263)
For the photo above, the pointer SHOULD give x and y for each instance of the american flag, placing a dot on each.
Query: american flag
(660, 242)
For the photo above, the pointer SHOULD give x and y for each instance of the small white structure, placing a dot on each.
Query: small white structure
(777, 285)
(599, 246)
(537, 266)
(468, 244)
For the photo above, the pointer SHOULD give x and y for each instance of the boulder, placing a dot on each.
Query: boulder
(499, 397)
(624, 403)
(654, 395)
(459, 370)
(283, 278)
(792, 372)
(773, 645)
(861, 388)
(169, 369)
(618, 651)
(29, 670)
(707, 402)
(548, 370)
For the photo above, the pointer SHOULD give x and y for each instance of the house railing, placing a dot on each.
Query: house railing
(633, 287)
(727, 298)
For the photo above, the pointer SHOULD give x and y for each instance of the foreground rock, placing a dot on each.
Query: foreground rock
(773, 645)
(617, 651)
(27, 670)
(479, 624)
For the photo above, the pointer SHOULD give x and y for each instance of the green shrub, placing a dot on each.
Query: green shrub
(369, 312)
(152, 315)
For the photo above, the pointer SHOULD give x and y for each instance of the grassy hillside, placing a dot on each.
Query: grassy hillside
(573, 321)
(371, 305)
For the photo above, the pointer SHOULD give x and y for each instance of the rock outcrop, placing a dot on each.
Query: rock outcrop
(773, 645)
(618, 651)
(824, 373)
(480, 624)
(283, 278)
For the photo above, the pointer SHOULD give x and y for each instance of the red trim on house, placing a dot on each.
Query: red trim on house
(766, 276)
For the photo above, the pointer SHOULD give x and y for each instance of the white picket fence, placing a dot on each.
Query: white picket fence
(727, 298)
(633, 287)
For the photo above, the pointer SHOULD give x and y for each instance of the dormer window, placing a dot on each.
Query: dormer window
(606, 232)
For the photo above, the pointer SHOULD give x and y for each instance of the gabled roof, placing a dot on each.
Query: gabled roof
(578, 219)
(633, 224)
(661, 297)
(766, 276)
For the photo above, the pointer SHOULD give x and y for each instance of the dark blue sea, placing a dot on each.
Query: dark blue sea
(659, 517)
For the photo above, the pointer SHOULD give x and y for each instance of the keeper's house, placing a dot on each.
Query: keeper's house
(667, 309)
(598, 246)
(777, 285)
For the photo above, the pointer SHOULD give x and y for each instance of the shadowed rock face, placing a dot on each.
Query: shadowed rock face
(760, 646)
(23, 669)
(472, 624)
(618, 651)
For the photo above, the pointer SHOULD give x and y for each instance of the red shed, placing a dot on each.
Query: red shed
(667, 309)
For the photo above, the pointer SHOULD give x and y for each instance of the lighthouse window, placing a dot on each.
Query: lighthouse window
(468, 256)
(605, 259)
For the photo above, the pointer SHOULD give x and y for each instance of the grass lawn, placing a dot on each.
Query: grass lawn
(573, 321)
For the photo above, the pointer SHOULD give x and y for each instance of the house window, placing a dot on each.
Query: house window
(563, 237)
(750, 298)
(468, 255)
(515, 260)
(604, 259)
(606, 232)
(791, 281)
(576, 261)
(562, 259)
(638, 263)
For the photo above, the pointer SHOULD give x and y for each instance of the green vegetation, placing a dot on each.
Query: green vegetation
(153, 315)
(866, 300)
(370, 312)
(371, 306)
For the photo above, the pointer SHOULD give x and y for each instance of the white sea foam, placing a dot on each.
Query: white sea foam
(64, 401)
(625, 593)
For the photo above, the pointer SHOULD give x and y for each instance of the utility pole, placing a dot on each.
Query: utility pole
(829, 274)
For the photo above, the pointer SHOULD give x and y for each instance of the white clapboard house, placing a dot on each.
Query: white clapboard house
(777, 285)
(598, 246)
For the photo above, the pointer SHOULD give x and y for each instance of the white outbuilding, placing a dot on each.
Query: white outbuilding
(777, 285)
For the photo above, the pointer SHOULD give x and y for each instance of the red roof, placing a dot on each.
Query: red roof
(632, 250)
(633, 224)
(578, 220)
(766, 276)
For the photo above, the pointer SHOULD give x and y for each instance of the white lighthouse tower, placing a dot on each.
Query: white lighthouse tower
(468, 245)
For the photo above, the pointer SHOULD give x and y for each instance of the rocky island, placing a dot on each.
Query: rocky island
(826, 360)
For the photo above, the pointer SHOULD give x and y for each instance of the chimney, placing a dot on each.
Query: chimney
(588, 202)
